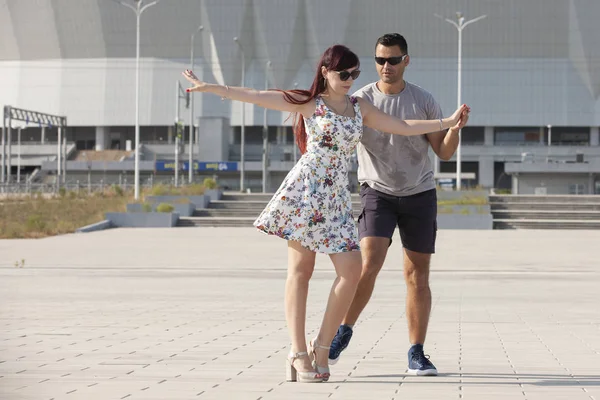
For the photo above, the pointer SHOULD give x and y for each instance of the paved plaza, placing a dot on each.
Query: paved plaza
(197, 313)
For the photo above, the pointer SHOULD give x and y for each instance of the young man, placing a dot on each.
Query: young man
(398, 188)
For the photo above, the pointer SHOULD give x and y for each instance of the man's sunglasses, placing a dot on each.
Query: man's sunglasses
(391, 60)
(345, 75)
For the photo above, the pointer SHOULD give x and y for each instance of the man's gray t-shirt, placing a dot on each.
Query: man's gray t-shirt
(394, 164)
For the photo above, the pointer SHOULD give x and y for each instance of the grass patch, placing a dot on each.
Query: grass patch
(194, 189)
(465, 201)
(37, 217)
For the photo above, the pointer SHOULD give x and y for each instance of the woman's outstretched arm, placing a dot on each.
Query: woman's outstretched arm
(377, 119)
(272, 99)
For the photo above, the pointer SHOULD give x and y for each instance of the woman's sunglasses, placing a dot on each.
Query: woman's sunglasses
(345, 75)
(391, 60)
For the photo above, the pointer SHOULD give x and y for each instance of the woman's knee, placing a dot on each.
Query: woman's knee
(301, 269)
(349, 267)
(301, 262)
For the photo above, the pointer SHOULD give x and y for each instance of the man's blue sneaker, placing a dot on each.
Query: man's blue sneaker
(339, 343)
(418, 362)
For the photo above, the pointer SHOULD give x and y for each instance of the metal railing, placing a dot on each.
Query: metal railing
(27, 188)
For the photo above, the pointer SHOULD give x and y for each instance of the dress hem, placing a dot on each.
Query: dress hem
(262, 229)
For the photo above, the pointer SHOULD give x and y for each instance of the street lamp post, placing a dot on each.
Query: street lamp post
(265, 133)
(191, 141)
(19, 158)
(138, 9)
(549, 143)
(295, 146)
(243, 132)
(459, 24)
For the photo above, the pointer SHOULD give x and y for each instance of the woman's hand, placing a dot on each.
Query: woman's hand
(458, 114)
(198, 85)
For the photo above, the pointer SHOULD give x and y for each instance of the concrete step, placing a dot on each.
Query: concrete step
(572, 199)
(237, 204)
(248, 205)
(216, 222)
(544, 206)
(243, 213)
(545, 224)
(546, 214)
(265, 197)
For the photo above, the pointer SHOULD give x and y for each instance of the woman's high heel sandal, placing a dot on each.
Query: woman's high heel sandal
(293, 375)
(322, 371)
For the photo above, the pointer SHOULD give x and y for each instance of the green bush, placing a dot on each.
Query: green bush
(147, 207)
(210, 183)
(165, 208)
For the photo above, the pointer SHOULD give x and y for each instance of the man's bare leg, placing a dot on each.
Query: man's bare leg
(418, 309)
(418, 294)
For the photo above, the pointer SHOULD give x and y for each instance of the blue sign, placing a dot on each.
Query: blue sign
(215, 166)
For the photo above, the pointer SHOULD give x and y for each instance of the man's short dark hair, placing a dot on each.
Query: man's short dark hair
(393, 39)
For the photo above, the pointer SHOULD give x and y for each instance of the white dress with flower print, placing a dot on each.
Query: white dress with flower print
(313, 204)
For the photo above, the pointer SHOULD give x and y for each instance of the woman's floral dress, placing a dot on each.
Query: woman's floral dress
(313, 204)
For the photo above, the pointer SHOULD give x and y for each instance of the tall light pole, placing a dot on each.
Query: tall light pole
(295, 146)
(19, 158)
(191, 151)
(459, 24)
(265, 133)
(243, 133)
(549, 142)
(138, 9)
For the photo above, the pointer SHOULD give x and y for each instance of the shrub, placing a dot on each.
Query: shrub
(147, 207)
(210, 183)
(165, 208)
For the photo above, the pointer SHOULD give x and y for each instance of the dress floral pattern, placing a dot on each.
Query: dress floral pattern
(313, 204)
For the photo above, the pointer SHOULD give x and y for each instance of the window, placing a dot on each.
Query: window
(516, 136)
(472, 135)
(577, 188)
(568, 136)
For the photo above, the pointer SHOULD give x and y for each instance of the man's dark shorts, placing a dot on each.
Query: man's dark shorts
(414, 215)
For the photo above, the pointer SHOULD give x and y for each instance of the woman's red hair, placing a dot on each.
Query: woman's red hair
(335, 58)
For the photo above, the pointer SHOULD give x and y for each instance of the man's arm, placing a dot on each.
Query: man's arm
(445, 143)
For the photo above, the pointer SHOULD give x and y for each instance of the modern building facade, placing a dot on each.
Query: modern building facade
(531, 73)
